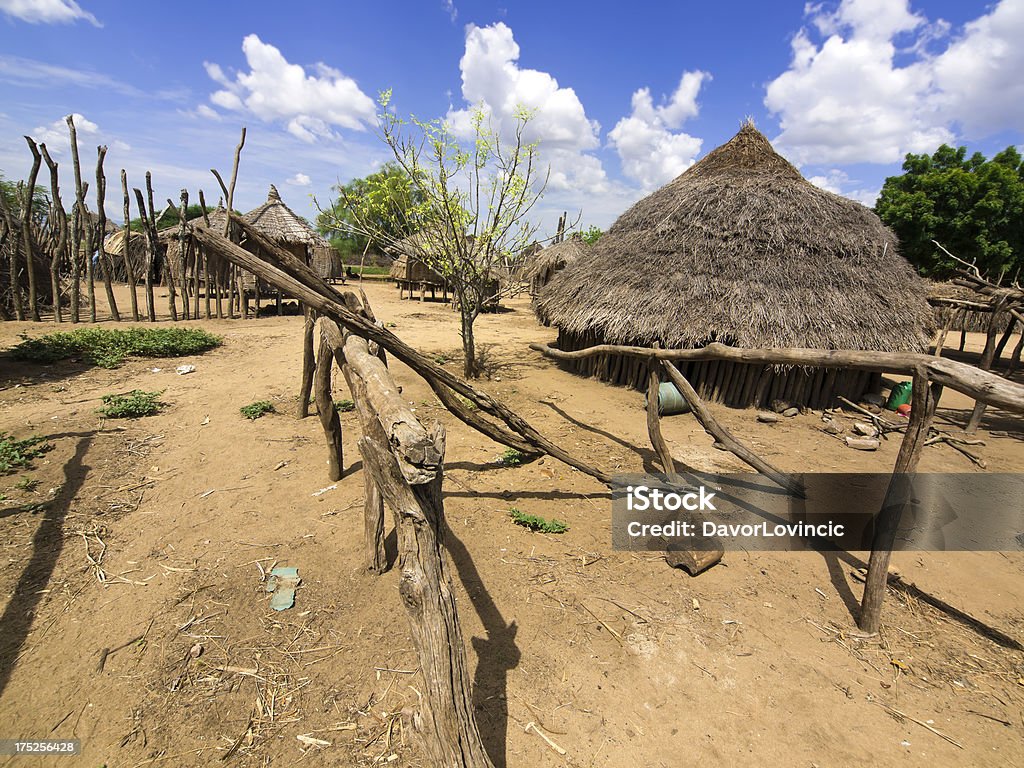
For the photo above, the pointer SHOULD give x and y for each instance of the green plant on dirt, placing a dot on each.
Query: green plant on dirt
(535, 523)
(344, 406)
(510, 458)
(18, 454)
(441, 359)
(109, 348)
(131, 405)
(260, 408)
(27, 484)
(469, 404)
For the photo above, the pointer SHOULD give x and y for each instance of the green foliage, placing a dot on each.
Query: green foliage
(344, 406)
(109, 348)
(27, 484)
(592, 234)
(510, 458)
(260, 408)
(18, 454)
(535, 523)
(376, 210)
(973, 206)
(131, 405)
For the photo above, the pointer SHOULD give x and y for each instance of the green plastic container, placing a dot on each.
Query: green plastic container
(670, 401)
(901, 394)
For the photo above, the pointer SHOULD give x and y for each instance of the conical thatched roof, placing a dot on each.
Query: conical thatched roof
(277, 221)
(557, 256)
(742, 249)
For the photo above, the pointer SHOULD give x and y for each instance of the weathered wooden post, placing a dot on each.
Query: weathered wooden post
(85, 220)
(129, 268)
(327, 411)
(26, 230)
(102, 258)
(985, 363)
(59, 215)
(922, 410)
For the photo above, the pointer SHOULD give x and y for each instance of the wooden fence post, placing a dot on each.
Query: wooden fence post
(327, 411)
(922, 410)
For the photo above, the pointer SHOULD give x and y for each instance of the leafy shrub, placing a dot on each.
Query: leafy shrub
(253, 411)
(535, 523)
(18, 454)
(131, 405)
(344, 406)
(109, 348)
(510, 458)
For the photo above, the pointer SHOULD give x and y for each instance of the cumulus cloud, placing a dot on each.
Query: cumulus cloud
(47, 11)
(299, 180)
(493, 79)
(57, 139)
(885, 81)
(651, 151)
(838, 182)
(310, 103)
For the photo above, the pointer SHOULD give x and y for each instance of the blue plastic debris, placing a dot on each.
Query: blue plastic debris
(282, 583)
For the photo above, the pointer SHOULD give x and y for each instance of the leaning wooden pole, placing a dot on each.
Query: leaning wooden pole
(285, 271)
(987, 356)
(725, 437)
(922, 410)
(695, 561)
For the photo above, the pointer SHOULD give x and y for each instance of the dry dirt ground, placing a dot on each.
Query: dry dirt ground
(163, 528)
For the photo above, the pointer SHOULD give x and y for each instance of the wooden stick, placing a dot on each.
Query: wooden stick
(722, 435)
(103, 259)
(129, 268)
(887, 523)
(61, 217)
(84, 219)
(311, 289)
(26, 230)
(306, 384)
(985, 363)
(327, 411)
(978, 384)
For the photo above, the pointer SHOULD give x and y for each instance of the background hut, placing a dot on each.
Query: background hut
(742, 250)
(552, 259)
(410, 272)
(138, 254)
(278, 222)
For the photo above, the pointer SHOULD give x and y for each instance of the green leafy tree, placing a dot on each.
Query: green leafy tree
(468, 205)
(973, 206)
(592, 234)
(360, 207)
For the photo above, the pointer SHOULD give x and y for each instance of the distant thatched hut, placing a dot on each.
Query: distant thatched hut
(553, 259)
(279, 223)
(410, 271)
(114, 246)
(742, 250)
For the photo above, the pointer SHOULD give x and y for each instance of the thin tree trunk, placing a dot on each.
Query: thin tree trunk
(985, 364)
(154, 243)
(327, 411)
(306, 385)
(150, 247)
(183, 253)
(61, 218)
(129, 268)
(26, 230)
(104, 259)
(85, 220)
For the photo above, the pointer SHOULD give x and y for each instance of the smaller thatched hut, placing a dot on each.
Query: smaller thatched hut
(553, 259)
(410, 271)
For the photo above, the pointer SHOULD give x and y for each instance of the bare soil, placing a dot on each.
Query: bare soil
(163, 528)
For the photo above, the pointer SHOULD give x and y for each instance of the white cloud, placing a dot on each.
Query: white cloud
(450, 9)
(47, 11)
(979, 76)
(58, 139)
(846, 99)
(837, 181)
(493, 79)
(651, 153)
(310, 103)
(299, 180)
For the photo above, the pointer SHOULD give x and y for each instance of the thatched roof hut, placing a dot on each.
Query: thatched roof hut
(545, 263)
(114, 246)
(280, 223)
(741, 249)
(408, 268)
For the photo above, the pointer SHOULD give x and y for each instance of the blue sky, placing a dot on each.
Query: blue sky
(627, 96)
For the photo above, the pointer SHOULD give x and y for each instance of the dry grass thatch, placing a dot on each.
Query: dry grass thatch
(280, 223)
(408, 265)
(545, 263)
(742, 249)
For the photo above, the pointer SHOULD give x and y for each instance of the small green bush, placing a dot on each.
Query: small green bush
(109, 348)
(18, 454)
(253, 411)
(344, 406)
(535, 523)
(510, 458)
(131, 405)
